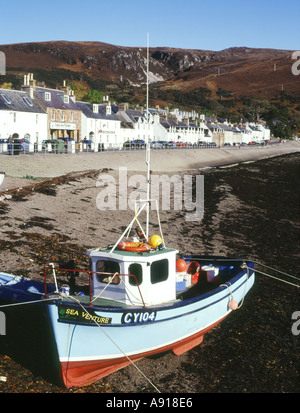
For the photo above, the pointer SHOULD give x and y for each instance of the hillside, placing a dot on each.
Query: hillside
(241, 70)
(236, 83)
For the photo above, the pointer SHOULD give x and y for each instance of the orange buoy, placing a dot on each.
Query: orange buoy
(233, 305)
(181, 265)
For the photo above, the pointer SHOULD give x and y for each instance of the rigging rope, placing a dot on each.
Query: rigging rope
(42, 300)
(276, 278)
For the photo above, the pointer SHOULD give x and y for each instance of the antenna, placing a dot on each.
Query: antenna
(147, 143)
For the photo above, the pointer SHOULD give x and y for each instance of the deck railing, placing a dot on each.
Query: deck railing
(75, 273)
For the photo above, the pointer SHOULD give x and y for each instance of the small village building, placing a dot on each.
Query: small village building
(64, 117)
(99, 125)
(21, 117)
(167, 127)
(134, 124)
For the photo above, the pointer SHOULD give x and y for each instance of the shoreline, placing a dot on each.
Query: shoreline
(168, 161)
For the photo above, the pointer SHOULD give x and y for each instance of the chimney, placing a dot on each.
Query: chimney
(106, 100)
(186, 120)
(29, 85)
(123, 107)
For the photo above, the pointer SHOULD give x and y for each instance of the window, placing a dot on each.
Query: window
(66, 99)
(28, 101)
(95, 108)
(159, 271)
(71, 117)
(62, 116)
(108, 268)
(6, 99)
(53, 115)
(48, 96)
(137, 270)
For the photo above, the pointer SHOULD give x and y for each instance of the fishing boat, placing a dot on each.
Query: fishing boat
(141, 297)
(135, 304)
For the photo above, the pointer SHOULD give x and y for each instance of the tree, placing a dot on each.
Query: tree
(94, 96)
(81, 89)
(256, 108)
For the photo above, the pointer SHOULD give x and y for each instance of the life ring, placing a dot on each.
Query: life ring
(133, 246)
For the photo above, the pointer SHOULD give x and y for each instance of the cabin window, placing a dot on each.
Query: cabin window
(137, 270)
(108, 268)
(159, 271)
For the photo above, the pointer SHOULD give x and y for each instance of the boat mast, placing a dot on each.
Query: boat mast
(147, 143)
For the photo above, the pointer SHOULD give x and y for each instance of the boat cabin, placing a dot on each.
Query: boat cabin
(134, 278)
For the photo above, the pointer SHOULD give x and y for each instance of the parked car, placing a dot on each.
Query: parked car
(227, 144)
(127, 144)
(66, 141)
(212, 145)
(202, 144)
(138, 143)
(155, 144)
(87, 142)
(180, 144)
(165, 144)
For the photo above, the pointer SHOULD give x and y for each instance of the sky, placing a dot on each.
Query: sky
(187, 24)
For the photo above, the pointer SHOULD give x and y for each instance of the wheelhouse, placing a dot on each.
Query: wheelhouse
(134, 278)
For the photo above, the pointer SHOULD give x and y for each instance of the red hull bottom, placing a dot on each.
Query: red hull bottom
(83, 373)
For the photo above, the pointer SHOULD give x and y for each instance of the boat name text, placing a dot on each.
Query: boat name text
(138, 318)
(73, 314)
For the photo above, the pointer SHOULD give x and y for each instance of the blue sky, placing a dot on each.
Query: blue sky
(187, 24)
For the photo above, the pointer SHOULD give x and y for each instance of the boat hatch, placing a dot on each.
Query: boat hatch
(150, 276)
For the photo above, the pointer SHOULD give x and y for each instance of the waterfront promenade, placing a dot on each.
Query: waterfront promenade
(52, 165)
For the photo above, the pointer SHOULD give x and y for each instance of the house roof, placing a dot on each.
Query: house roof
(130, 115)
(19, 101)
(57, 99)
(87, 110)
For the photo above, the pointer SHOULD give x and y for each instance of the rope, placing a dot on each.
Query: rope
(226, 285)
(278, 279)
(28, 302)
(108, 336)
(273, 269)
(102, 291)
